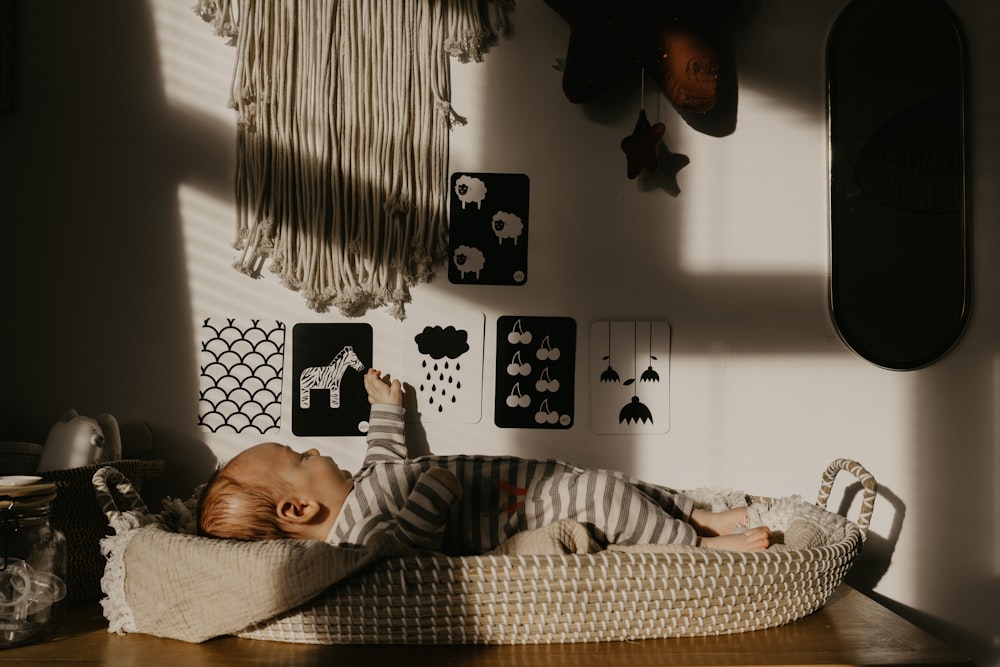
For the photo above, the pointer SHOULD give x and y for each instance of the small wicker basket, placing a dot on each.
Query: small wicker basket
(76, 513)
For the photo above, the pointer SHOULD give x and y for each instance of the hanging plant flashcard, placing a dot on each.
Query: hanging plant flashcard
(535, 374)
(443, 364)
(488, 229)
(329, 362)
(630, 377)
(241, 364)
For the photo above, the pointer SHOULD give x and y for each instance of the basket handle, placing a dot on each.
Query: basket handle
(867, 481)
(135, 506)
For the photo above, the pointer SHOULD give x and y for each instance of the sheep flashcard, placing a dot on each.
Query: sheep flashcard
(442, 365)
(488, 229)
(535, 373)
(329, 362)
(630, 377)
(241, 364)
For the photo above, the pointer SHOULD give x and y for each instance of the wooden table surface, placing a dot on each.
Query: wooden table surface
(850, 630)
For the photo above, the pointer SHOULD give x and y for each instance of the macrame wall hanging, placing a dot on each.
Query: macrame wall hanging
(343, 114)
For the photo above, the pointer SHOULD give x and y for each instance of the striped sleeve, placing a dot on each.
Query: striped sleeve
(386, 434)
(424, 516)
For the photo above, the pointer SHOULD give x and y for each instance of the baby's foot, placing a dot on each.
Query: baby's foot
(755, 539)
(711, 524)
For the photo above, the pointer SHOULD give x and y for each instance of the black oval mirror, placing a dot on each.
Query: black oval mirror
(900, 278)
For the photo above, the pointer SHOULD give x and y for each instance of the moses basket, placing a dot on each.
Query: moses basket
(620, 593)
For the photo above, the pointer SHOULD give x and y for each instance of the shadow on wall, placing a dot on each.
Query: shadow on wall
(97, 312)
(952, 452)
(93, 158)
(876, 556)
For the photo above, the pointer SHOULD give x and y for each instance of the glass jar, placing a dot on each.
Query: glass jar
(32, 565)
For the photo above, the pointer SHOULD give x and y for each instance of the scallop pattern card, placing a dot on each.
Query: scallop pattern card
(241, 366)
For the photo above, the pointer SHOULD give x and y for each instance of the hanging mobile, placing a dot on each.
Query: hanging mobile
(650, 375)
(634, 411)
(643, 145)
(609, 374)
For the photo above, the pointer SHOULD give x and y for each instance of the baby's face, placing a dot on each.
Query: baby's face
(310, 474)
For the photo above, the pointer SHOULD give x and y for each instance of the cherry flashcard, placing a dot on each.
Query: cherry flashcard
(535, 372)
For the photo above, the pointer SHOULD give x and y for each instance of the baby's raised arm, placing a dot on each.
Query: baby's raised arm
(382, 389)
(386, 427)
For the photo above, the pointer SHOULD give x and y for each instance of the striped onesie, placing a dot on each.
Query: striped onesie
(501, 495)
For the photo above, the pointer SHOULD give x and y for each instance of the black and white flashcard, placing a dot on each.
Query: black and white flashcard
(535, 374)
(241, 364)
(329, 362)
(443, 364)
(630, 377)
(488, 229)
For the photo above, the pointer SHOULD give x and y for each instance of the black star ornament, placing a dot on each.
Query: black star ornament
(643, 145)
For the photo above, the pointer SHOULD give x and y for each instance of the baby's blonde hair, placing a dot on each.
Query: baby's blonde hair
(230, 508)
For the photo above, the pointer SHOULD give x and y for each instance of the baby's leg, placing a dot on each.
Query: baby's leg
(718, 530)
(709, 524)
(755, 539)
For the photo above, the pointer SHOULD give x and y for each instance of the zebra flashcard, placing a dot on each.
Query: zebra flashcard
(328, 366)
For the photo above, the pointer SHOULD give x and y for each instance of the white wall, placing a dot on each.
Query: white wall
(118, 215)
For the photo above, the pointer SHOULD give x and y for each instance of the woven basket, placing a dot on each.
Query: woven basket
(611, 595)
(76, 513)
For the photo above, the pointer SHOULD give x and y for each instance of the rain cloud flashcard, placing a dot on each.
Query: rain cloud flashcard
(630, 377)
(488, 229)
(443, 364)
(535, 374)
(329, 362)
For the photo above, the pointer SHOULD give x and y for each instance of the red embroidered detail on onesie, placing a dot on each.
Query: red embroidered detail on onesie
(511, 490)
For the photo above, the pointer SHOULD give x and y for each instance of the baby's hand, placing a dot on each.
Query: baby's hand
(381, 389)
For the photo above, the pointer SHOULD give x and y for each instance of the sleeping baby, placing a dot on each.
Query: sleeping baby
(457, 505)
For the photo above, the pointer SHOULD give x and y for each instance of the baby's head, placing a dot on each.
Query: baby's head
(272, 492)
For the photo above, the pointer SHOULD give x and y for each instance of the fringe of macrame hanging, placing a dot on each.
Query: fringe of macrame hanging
(343, 116)
(221, 14)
